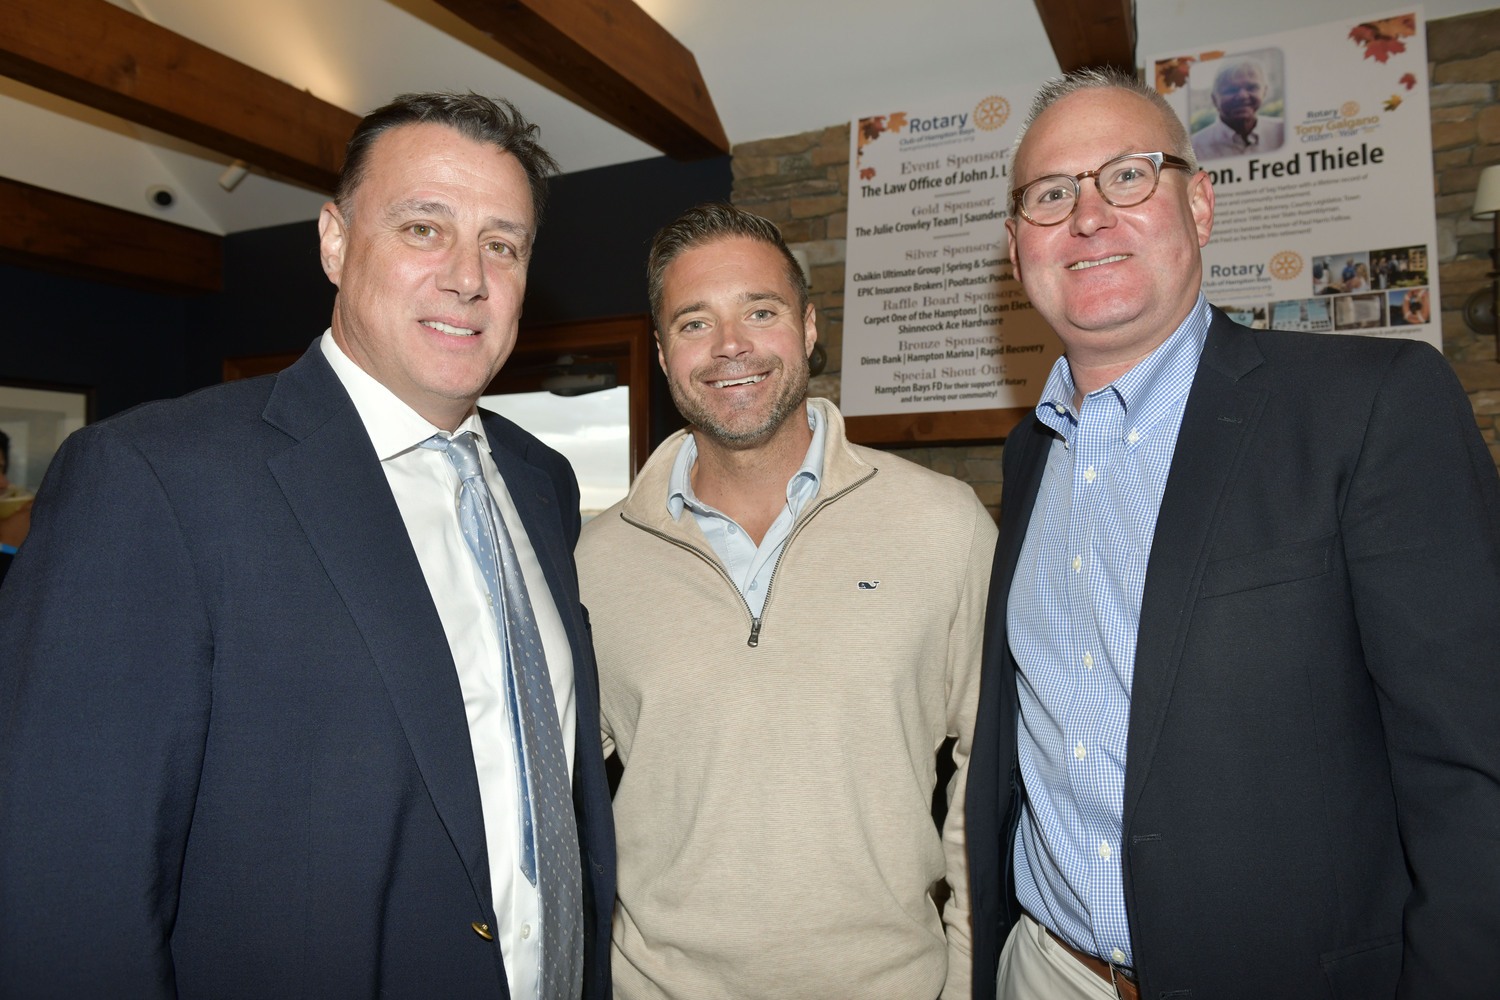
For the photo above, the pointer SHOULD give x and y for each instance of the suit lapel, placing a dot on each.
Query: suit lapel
(338, 492)
(1219, 418)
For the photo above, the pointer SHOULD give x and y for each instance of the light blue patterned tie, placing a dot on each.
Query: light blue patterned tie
(549, 845)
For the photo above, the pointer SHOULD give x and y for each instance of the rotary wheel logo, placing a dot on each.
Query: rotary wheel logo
(1286, 265)
(1349, 109)
(991, 113)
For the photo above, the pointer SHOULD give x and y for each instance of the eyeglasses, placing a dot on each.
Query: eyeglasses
(1122, 182)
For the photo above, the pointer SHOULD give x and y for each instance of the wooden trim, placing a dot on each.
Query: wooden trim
(97, 54)
(55, 232)
(915, 430)
(614, 60)
(625, 340)
(1090, 33)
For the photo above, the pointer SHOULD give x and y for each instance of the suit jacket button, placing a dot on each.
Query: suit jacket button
(483, 930)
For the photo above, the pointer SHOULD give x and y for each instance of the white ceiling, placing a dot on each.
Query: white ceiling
(774, 67)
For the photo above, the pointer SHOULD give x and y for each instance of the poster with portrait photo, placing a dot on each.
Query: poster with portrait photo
(1348, 177)
(1238, 107)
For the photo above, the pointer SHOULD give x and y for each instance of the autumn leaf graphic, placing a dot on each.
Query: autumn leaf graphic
(1393, 102)
(1172, 73)
(1403, 26)
(870, 129)
(867, 173)
(1210, 56)
(1408, 81)
(896, 122)
(1382, 39)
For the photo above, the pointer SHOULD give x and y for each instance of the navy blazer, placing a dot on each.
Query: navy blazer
(234, 756)
(1312, 792)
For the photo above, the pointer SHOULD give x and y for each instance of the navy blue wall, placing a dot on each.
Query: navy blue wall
(131, 346)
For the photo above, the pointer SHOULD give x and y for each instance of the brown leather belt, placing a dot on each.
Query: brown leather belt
(1124, 985)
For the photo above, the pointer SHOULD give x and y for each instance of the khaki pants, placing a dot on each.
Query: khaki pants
(1035, 967)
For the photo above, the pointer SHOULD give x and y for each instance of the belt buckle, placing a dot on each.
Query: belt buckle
(1114, 982)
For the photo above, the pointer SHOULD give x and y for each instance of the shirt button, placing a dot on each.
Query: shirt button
(1079, 751)
(525, 931)
(1118, 956)
(753, 585)
(1133, 436)
(731, 529)
(1089, 474)
(1088, 660)
(1103, 850)
(1077, 563)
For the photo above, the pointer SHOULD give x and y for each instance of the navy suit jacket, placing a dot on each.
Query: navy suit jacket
(1312, 792)
(234, 757)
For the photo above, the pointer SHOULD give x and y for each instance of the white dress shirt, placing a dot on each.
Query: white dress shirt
(426, 488)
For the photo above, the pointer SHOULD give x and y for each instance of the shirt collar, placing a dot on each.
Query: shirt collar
(1146, 389)
(393, 426)
(804, 482)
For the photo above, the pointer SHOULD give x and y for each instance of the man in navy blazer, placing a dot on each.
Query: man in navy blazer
(1237, 729)
(247, 724)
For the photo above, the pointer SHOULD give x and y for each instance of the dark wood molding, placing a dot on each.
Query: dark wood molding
(615, 61)
(917, 430)
(97, 54)
(55, 232)
(1090, 33)
(626, 341)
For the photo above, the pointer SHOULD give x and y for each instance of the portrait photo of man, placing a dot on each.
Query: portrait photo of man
(1246, 119)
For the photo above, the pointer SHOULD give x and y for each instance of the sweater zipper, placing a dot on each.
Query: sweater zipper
(755, 623)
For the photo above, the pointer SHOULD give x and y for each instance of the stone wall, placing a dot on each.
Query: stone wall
(1464, 67)
(801, 182)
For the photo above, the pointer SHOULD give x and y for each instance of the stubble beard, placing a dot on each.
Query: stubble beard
(791, 397)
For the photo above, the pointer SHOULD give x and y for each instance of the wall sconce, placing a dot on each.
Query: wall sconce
(1487, 206)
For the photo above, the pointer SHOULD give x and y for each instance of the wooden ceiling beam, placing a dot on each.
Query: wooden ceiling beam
(614, 60)
(97, 54)
(1090, 33)
(55, 232)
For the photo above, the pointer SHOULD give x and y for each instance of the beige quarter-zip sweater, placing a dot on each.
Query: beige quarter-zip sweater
(774, 826)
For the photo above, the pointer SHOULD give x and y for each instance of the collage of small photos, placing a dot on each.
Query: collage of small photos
(1353, 291)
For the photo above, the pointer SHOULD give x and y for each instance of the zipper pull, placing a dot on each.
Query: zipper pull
(754, 632)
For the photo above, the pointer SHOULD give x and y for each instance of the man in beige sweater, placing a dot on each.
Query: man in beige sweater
(788, 627)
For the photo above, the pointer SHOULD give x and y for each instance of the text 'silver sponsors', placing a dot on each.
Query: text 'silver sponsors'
(1319, 145)
(933, 319)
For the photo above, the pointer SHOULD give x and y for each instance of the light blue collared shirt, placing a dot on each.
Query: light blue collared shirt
(749, 566)
(1072, 618)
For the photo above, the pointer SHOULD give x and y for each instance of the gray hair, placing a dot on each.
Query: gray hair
(706, 224)
(1106, 78)
(1238, 65)
(489, 121)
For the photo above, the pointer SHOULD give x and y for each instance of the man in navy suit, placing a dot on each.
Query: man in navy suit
(254, 729)
(1237, 727)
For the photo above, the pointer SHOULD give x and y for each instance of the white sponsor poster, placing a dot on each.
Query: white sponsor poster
(1320, 147)
(933, 320)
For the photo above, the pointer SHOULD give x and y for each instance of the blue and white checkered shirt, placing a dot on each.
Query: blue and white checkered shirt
(1073, 614)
